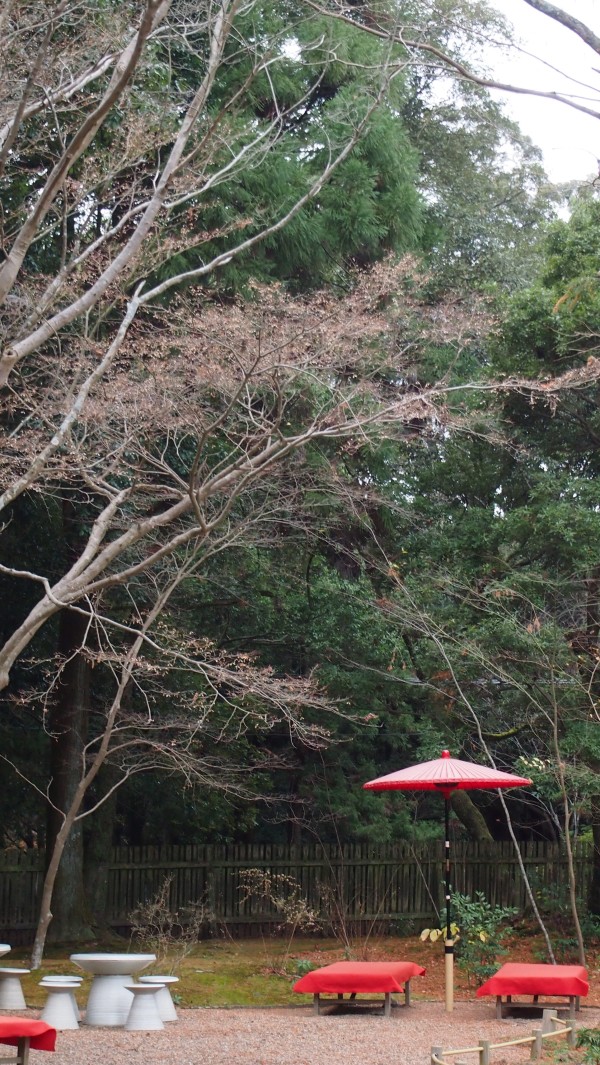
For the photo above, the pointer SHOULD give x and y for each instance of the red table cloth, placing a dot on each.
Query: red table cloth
(516, 978)
(358, 977)
(41, 1035)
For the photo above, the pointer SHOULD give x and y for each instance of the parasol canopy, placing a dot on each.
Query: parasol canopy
(445, 774)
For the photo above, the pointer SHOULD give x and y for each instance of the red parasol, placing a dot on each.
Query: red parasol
(446, 775)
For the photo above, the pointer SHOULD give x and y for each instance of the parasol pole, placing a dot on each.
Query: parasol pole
(448, 942)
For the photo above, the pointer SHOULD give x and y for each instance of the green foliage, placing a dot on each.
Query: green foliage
(371, 529)
(476, 933)
(301, 966)
(588, 1039)
(484, 230)
(433, 934)
(482, 937)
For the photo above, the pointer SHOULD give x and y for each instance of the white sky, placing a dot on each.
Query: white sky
(570, 140)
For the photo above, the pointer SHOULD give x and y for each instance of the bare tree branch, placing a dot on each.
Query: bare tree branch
(569, 21)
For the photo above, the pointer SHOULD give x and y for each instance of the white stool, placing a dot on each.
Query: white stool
(72, 978)
(11, 992)
(166, 1006)
(75, 982)
(143, 1015)
(59, 1010)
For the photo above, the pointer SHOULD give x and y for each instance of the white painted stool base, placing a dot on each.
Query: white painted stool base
(109, 1001)
(143, 1015)
(11, 992)
(60, 1010)
(74, 983)
(166, 1006)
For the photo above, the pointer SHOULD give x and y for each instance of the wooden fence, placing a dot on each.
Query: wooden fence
(358, 883)
(553, 1028)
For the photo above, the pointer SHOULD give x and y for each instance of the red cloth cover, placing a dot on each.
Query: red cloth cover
(41, 1035)
(357, 977)
(515, 978)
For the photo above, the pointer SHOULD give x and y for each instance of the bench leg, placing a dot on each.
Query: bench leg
(22, 1055)
(387, 1005)
(498, 1007)
(316, 1004)
(407, 993)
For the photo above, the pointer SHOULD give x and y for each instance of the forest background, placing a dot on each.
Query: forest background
(299, 432)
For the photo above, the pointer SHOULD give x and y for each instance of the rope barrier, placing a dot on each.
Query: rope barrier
(536, 1040)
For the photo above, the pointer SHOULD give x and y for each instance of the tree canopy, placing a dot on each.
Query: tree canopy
(298, 409)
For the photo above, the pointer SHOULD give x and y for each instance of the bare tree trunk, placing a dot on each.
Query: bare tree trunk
(51, 874)
(67, 726)
(594, 891)
(98, 839)
(560, 770)
(471, 817)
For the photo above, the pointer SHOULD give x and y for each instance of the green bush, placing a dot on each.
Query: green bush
(589, 1040)
(481, 940)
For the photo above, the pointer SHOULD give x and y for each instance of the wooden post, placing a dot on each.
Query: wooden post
(22, 1055)
(484, 1051)
(436, 1052)
(571, 1034)
(537, 1045)
(449, 974)
(547, 1017)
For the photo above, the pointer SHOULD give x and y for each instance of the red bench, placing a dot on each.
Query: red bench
(567, 982)
(23, 1033)
(354, 978)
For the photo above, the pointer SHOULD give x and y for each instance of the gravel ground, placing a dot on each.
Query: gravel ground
(296, 1036)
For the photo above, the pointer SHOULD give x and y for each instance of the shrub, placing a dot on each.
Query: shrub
(481, 935)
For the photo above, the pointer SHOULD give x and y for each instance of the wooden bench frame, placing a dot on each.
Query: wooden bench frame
(21, 1057)
(506, 1005)
(353, 1001)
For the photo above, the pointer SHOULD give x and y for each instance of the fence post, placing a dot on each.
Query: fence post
(484, 1051)
(536, 1046)
(572, 1034)
(547, 1017)
(436, 1052)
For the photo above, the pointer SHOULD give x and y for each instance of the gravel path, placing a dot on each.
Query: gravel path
(297, 1037)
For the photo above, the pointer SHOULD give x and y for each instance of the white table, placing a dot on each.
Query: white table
(109, 1001)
